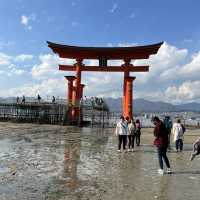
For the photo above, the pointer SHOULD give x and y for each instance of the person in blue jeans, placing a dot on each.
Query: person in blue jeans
(121, 131)
(161, 142)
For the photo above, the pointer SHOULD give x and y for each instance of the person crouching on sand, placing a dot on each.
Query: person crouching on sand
(196, 149)
(121, 131)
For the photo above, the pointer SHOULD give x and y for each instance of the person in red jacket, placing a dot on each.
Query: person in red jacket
(161, 142)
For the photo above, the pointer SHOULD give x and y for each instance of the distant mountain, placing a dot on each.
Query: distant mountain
(189, 107)
(142, 105)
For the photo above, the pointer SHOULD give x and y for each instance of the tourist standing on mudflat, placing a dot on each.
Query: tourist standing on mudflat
(138, 131)
(161, 142)
(178, 133)
(131, 134)
(23, 99)
(39, 98)
(121, 131)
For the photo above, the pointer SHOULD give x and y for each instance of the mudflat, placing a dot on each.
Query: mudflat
(62, 162)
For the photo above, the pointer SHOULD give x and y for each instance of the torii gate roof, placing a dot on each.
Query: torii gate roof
(133, 52)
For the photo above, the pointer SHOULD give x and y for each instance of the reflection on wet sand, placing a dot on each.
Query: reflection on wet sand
(71, 158)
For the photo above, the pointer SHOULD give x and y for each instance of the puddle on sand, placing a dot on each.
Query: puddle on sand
(56, 162)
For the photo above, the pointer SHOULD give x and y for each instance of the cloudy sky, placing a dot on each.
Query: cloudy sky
(28, 66)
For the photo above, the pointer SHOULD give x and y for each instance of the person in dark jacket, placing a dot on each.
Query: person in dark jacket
(161, 142)
(168, 124)
(138, 131)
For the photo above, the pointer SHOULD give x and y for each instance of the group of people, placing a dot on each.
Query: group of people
(128, 132)
(177, 129)
(128, 129)
(39, 98)
(22, 101)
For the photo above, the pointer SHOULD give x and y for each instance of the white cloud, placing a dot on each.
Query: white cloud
(4, 59)
(23, 57)
(15, 71)
(24, 20)
(12, 70)
(103, 84)
(192, 68)
(48, 66)
(149, 95)
(114, 8)
(163, 63)
(47, 87)
(27, 20)
(187, 91)
(7, 67)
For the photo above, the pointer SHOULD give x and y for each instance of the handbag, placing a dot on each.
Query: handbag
(158, 142)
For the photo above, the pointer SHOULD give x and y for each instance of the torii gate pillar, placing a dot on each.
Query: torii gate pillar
(81, 91)
(81, 101)
(128, 110)
(70, 94)
(77, 92)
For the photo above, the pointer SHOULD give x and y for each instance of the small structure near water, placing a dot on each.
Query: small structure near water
(48, 113)
(54, 113)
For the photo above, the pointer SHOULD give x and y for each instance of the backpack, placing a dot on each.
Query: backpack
(168, 124)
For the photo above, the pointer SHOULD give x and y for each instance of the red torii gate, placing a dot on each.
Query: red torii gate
(75, 92)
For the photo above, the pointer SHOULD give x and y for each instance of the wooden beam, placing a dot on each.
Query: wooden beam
(105, 69)
(74, 52)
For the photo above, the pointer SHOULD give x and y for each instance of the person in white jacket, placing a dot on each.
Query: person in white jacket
(121, 131)
(178, 132)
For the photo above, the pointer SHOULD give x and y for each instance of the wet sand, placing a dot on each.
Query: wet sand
(58, 163)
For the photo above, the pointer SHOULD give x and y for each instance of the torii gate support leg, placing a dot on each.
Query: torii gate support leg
(129, 97)
(126, 74)
(81, 104)
(69, 96)
(77, 93)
